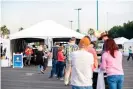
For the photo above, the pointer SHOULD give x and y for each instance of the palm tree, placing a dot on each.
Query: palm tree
(21, 28)
(4, 31)
(91, 31)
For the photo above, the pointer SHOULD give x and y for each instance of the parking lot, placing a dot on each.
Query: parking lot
(28, 78)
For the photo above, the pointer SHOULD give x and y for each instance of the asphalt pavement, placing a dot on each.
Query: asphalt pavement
(29, 78)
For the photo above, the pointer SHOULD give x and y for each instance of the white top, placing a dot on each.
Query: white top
(81, 62)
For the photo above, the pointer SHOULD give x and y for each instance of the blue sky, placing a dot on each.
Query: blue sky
(25, 13)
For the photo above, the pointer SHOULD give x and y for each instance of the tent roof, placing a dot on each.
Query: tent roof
(120, 40)
(46, 29)
(129, 41)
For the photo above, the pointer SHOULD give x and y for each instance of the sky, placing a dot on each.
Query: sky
(25, 13)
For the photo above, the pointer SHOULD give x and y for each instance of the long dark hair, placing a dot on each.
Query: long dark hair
(111, 46)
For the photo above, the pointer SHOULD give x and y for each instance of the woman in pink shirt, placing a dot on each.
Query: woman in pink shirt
(91, 49)
(112, 64)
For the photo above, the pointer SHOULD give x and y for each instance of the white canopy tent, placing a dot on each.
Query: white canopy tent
(120, 40)
(127, 45)
(46, 29)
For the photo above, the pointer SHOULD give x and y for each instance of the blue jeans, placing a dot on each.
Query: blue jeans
(60, 67)
(54, 68)
(130, 55)
(82, 87)
(115, 81)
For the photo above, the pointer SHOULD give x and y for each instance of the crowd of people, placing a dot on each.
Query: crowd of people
(40, 56)
(75, 64)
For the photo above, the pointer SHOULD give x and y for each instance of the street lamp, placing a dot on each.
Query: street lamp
(71, 23)
(78, 9)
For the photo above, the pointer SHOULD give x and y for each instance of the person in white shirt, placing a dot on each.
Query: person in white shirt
(81, 66)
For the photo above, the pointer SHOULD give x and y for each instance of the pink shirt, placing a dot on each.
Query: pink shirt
(112, 66)
(93, 51)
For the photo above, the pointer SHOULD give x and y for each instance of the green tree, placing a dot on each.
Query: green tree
(128, 29)
(122, 31)
(4, 30)
(78, 30)
(91, 31)
(115, 31)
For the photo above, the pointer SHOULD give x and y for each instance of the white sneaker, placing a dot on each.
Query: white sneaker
(61, 79)
(55, 75)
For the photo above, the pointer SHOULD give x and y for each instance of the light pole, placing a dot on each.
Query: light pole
(71, 23)
(78, 9)
(107, 21)
(97, 16)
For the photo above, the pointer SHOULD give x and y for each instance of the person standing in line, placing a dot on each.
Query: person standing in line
(1, 50)
(34, 53)
(28, 52)
(93, 51)
(46, 57)
(82, 64)
(54, 60)
(104, 37)
(70, 47)
(39, 58)
(60, 63)
(112, 64)
(130, 49)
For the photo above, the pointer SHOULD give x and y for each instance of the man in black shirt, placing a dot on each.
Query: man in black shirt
(54, 60)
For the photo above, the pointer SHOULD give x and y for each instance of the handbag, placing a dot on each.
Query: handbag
(100, 80)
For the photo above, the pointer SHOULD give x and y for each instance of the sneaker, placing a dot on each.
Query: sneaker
(55, 75)
(39, 72)
(61, 79)
(42, 71)
(50, 77)
(66, 84)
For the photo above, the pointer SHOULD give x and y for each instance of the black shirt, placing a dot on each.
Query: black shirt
(54, 52)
